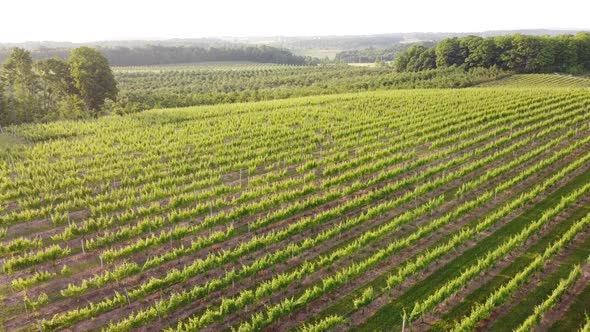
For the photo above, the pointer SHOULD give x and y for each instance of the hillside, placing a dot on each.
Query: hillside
(340, 211)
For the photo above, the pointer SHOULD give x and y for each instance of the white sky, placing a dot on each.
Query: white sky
(92, 20)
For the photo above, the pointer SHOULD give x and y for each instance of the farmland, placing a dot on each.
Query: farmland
(432, 209)
(147, 87)
(541, 80)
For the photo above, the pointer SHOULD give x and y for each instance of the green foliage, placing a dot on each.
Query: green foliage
(22, 284)
(179, 86)
(518, 53)
(372, 54)
(35, 304)
(450, 53)
(210, 212)
(21, 87)
(53, 89)
(65, 271)
(93, 78)
(148, 55)
(365, 298)
(324, 324)
(416, 58)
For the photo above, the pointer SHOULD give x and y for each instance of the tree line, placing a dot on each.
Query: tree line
(54, 88)
(162, 55)
(371, 54)
(517, 53)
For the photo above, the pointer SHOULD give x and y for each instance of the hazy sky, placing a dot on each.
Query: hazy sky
(83, 20)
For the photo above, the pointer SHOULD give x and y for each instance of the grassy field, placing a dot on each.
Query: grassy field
(432, 209)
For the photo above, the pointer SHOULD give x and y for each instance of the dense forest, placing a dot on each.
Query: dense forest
(517, 53)
(161, 55)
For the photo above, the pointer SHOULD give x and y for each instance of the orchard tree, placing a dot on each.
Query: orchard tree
(92, 77)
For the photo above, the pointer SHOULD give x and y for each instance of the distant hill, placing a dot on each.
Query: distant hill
(297, 42)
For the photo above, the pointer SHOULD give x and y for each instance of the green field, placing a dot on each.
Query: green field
(419, 209)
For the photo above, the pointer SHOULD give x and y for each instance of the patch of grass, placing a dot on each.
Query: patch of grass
(10, 145)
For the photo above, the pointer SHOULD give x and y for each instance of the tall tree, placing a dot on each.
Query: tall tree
(480, 52)
(3, 107)
(92, 77)
(21, 85)
(427, 59)
(56, 81)
(416, 58)
(583, 42)
(566, 54)
(449, 52)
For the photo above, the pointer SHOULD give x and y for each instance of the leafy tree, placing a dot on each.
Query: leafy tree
(427, 60)
(414, 59)
(479, 52)
(449, 52)
(21, 84)
(583, 46)
(566, 54)
(56, 82)
(92, 77)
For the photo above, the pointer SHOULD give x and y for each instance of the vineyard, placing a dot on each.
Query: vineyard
(541, 80)
(432, 209)
(191, 85)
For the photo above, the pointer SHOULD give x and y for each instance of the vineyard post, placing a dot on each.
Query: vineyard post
(82, 244)
(25, 302)
(101, 262)
(404, 320)
(157, 309)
